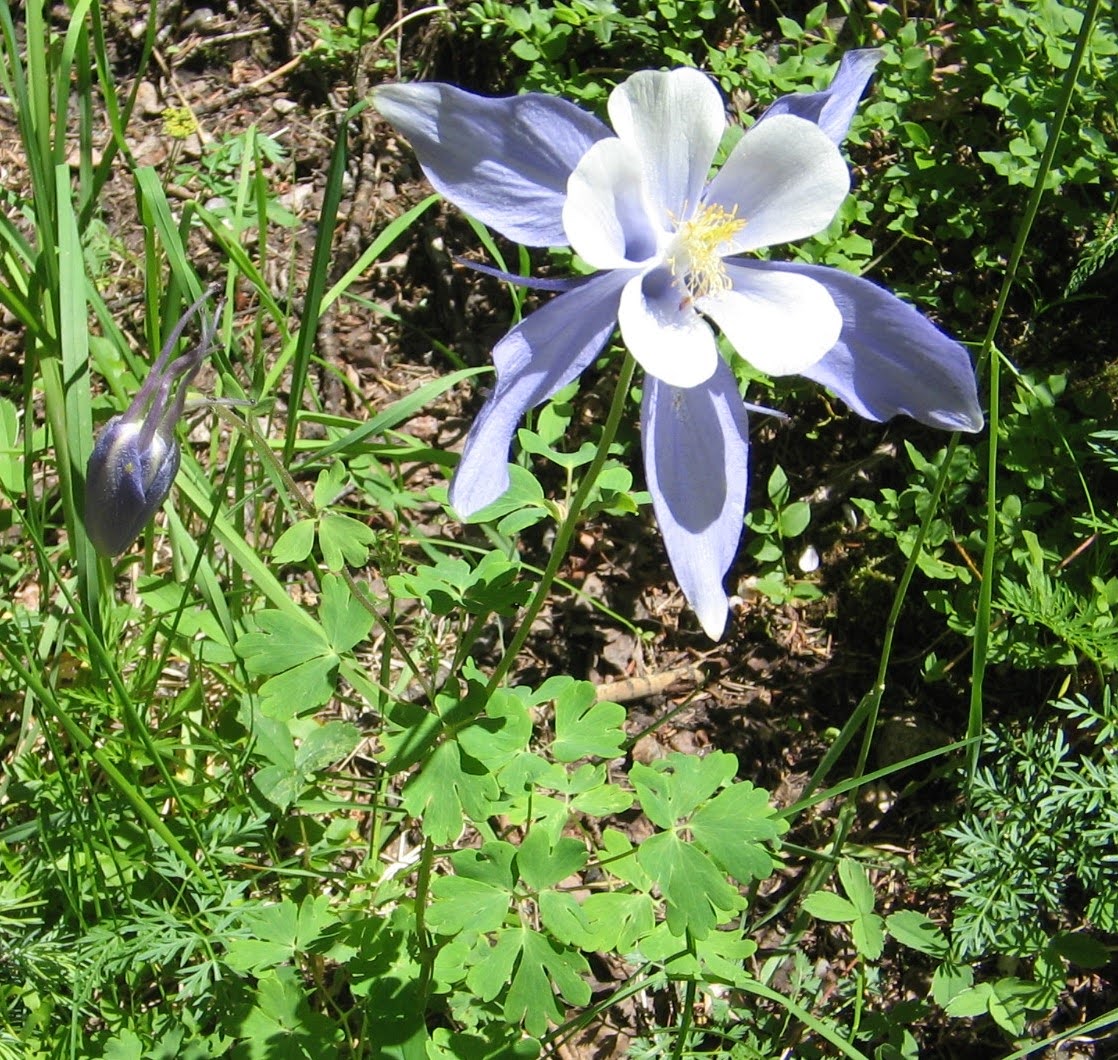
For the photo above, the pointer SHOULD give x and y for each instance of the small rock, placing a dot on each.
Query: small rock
(74, 158)
(424, 428)
(151, 151)
(907, 736)
(648, 750)
(192, 146)
(200, 20)
(809, 560)
(284, 106)
(296, 199)
(147, 99)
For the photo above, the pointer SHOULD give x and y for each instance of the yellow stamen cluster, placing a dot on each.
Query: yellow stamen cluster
(695, 259)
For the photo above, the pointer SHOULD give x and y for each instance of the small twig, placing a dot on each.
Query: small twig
(632, 688)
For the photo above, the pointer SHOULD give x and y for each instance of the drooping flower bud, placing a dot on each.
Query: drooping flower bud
(136, 456)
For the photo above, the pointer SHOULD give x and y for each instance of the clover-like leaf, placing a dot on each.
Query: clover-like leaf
(451, 584)
(586, 789)
(564, 918)
(543, 864)
(866, 927)
(678, 784)
(459, 903)
(303, 655)
(733, 826)
(450, 786)
(949, 981)
(490, 1041)
(717, 956)
(918, 932)
(280, 933)
(294, 648)
(825, 905)
(584, 727)
(794, 519)
(617, 921)
(344, 541)
(282, 1025)
(496, 586)
(295, 543)
(493, 864)
(326, 744)
(621, 860)
(531, 969)
(345, 621)
(722, 955)
(292, 770)
(501, 734)
(1006, 1001)
(437, 585)
(695, 890)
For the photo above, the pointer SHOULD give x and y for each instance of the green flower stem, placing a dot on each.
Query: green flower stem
(567, 527)
(986, 588)
(867, 712)
(687, 1009)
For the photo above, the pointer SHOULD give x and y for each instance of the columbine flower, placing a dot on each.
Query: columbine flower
(636, 203)
(136, 456)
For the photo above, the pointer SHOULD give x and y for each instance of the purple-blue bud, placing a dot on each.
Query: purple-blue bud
(136, 456)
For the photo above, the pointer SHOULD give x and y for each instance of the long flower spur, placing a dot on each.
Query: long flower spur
(136, 456)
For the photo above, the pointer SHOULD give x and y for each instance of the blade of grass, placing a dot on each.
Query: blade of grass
(74, 335)
(316, 282)
(398, 412)
(156, 213)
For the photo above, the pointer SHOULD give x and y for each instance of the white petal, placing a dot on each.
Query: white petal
(664, 333)
(672, 122)
(780, 328)
(606, 215)
(785, 179)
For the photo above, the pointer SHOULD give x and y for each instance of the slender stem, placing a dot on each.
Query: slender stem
(986, 588)
(422, 888)
(567, 527)
(688, 1013)
(868, 708)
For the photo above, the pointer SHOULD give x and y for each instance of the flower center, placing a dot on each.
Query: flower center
(695, 259)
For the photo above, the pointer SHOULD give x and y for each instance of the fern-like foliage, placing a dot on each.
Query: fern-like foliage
(1098, 250)
(1037, 850)
(1081, 627)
